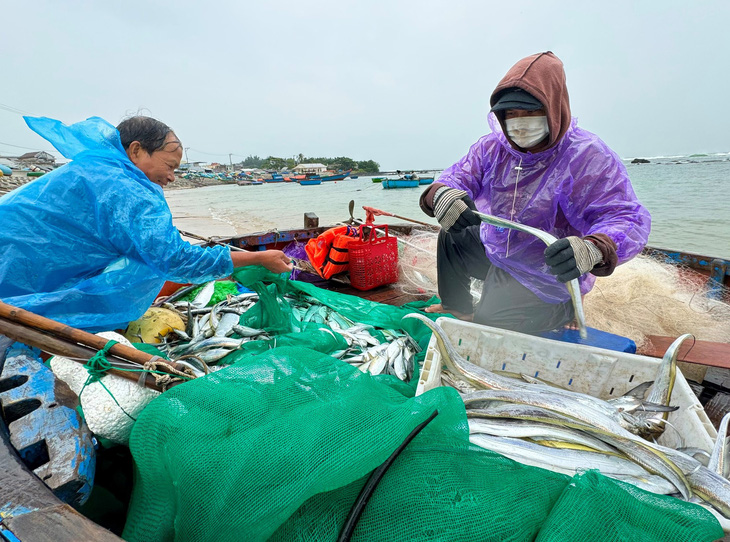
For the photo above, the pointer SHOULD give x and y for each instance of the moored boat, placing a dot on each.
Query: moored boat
(378, 179)
(275, 178)
(335, 177)
(399, 183)
(310, 182)
(425, 180)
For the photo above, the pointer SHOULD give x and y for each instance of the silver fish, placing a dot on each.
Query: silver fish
(245, 331)
(227, 322)
(214, 354)
(573, 285)
(483, 378)
(661, 390)
(500, 427)
(707, 484)
(566, 461)
(586, 419)
(718, 459)
(204, 296)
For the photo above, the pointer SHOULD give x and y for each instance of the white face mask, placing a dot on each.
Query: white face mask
(527, 131)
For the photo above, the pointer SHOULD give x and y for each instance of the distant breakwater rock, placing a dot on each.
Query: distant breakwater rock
(640, 161)
(9, 183)
(180, 183)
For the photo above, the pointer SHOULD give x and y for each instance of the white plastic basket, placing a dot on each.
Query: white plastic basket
(586, 369)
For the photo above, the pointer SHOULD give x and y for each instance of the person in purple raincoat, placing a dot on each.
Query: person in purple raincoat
(540, 169)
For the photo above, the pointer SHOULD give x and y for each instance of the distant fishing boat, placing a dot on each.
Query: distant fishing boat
(337, 177)
(353, 176)
(399, 183)
(275, 178)
(378, 179)
(306, 182)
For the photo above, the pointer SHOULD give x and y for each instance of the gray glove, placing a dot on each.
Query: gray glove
(571, 257)
(453, 209)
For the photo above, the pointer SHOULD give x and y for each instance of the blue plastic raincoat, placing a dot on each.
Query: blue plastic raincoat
(91, 243)
(577, 187)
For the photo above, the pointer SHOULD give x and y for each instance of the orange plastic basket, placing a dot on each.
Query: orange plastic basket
(373, 261)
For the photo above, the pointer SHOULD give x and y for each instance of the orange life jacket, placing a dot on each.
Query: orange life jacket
(328, 252)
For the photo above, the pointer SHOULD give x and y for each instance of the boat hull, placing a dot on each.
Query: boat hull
(399, 183)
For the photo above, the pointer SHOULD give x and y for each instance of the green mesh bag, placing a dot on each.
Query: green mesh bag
(615, 511)
(279, 445)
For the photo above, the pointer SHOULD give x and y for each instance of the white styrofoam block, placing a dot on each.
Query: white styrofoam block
(103, 415)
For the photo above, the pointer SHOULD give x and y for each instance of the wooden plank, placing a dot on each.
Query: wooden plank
(402, 299)
(60, 523)
(707, 353)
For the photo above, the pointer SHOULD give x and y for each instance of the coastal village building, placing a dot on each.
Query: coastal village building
(317, 169)
(38, 157)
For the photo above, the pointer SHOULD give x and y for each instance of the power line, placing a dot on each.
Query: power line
(217, 153)
(209, 153)
(15, 110)
(26, 148)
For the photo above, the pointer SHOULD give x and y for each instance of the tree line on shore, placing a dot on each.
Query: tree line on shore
(339, 162)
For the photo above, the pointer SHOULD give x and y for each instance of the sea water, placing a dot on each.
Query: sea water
(687, 196)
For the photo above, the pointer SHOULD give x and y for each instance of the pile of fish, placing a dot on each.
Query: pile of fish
(539, 424)
(214, 332)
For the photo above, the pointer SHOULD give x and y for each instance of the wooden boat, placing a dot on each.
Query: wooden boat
(425, 180)
(336, 177)
(275, 178)
(31, 512)
(716, 270)
(308, 182)
(378, 179)
(399, 183)
(354, 176)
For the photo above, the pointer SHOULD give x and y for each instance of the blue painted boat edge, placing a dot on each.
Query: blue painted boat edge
(718, 269)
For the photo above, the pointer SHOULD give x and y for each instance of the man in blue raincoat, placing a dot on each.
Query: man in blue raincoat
(91, 243)
(537, 168)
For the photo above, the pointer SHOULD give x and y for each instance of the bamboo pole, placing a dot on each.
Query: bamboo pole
(60, 347)
(378, 212)
(60, 339)
(27, 318)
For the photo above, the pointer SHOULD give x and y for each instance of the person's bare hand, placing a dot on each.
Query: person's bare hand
(276, 261)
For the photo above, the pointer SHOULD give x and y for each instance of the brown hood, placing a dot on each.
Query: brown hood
(541, 75)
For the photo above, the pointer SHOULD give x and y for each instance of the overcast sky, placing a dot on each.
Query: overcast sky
(405, 83)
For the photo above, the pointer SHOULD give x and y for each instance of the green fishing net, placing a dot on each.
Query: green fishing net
(278, 445)
(614, 510)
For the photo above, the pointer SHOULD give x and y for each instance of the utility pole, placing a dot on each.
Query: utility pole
(186, 155)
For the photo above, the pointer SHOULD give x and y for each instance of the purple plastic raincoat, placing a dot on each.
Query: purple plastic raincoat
(577, 187)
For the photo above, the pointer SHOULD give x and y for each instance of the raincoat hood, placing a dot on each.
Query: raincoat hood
(543, 76)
